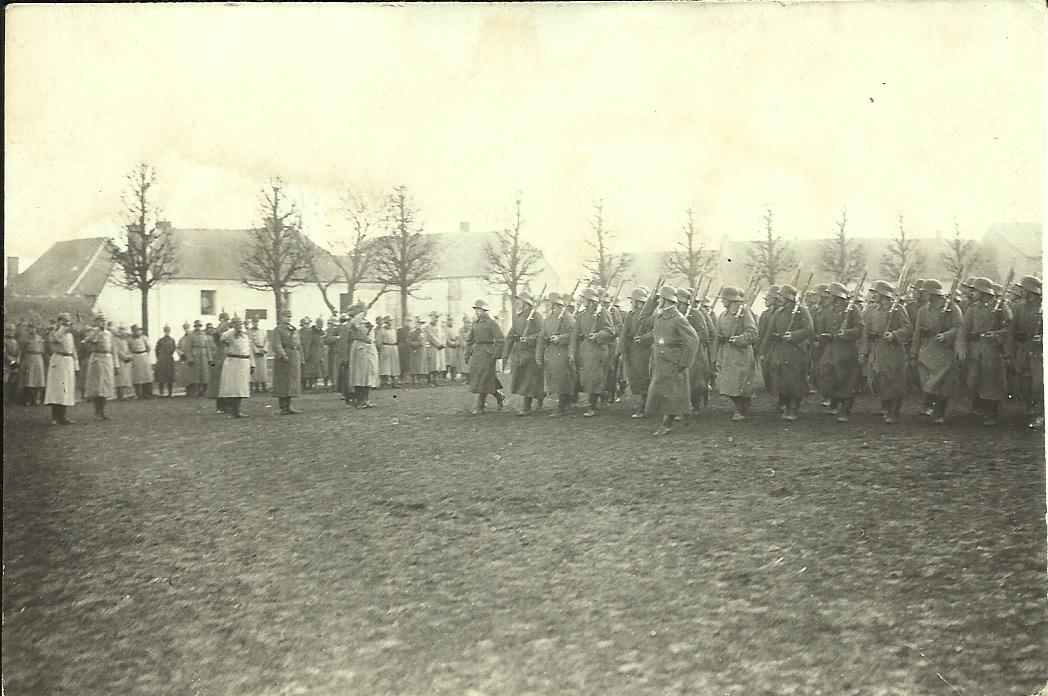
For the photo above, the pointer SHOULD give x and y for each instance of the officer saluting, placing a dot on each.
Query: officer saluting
(287, 364)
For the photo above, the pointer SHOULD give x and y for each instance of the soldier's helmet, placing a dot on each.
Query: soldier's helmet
(818, 290)
(480, 304)
(1030, 284)
(731, 293)
(589, 294)
(998, 289)
(788, 292)
(969, 283)
(223, 316)
(525, 296)
(882, 287)
(285, 314)
(933, 287)
(984, 285)
(185, 325)
(198, 323)
(554, 298)
(683, 295)
(837, 290)
(667, 292)
(639, 294)
(304, 321)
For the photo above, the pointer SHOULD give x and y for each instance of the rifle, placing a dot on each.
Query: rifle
(946, 305)
(897, 300)
(567, 300)
(535, 306)
(797, 302)
(743, 308)
(797, 277)
(706, 292)
(998, 308)
(851, 302)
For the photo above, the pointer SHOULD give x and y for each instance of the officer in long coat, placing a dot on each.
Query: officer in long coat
(674, 346)
(164, 373)
(987, 324)
(1025, 346)
(218, 361)
(839, 328)
(122, 361)
(236, 368)
(937, 344)
(198, 360)
(771, 305)
(452, 349)
(786, 349)
(342, 343)
(594, 334)
(735, 333)
(888, 331)
(60, 392)
(417, 346)
(141, 367)
(636, 355)
(259, 351)
(363, 360)
(483, 347)
(182, 372)
(287, 363)
(99, 384)
(527, 379)
(555, 353)
(388, 352)
(31, 363)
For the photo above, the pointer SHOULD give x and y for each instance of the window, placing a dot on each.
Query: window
(207, 302)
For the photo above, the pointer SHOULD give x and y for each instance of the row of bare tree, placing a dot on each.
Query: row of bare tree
(387, 250)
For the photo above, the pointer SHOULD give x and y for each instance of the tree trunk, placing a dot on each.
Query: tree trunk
(404, 306)
(145, 310)
(279, 304)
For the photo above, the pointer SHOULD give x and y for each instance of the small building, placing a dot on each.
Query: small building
(209, 281)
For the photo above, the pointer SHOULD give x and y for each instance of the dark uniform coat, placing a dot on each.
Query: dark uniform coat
(483, 348)
(287, 362)
(675, 345)
(839, 367)
(164, 349)
(519, 353)
(887, 361)
(986, 373)
(555, 352)
(787, 361)
(938, 368)
(701, 372)
(594, 354)
(638, 323)
(1027, 324)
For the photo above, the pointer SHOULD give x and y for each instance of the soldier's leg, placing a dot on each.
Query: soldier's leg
(940, 410)
(667, 425)
(592, 410)
(481, 399)
(527, 406)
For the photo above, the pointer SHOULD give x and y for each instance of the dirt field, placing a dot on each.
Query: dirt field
(413, 549)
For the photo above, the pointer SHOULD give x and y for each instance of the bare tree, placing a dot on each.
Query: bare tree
(146, 252)
(354, 256)
(510, 260)
(902, 253)
(844, 258)
(279, 257)
(691, 259)
(960, 255)
(771, 256)
(607, 267)
(404, 257)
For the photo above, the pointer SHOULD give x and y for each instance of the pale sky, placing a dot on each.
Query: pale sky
(931, 109)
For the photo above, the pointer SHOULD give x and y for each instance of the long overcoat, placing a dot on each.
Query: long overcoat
(122, 362)
(986, 369)
(218, 359)
(527, 377)
(886, 361)
(1027, 324)
(236, 368)
(388, 352)
(636, 356)
(838, 356)
(453, 347)
(433, 349)
(198, 358)
(62, 368)
(594, 354)
(675, 345)
(363, 356)
(259, 343)
(700, 372)
(555, 351)
(786, 362)
(287, 362)
(483, 346)
(938, 368)
(141, 367)
(164, 370)
(735, 364)
(31, 362)
(99, 380)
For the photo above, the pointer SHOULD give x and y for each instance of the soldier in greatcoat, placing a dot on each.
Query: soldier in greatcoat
(388, 353)
(218, 361)
(182, 371)
(31, 364)
(342, 343)
(287, 363)
(527, 379)
(259, 351)
(141, 367)
(636, 355)
(363, 359)
(816, 301)
(467, 325)
(594, 334)
(12, 369)
(198, 360)
(735, 333)
(417, 346)
(936, 348)
(700, 372)
(986, 325)
(99, 380)
(433, 365)
(236, 368)
(330, 354)
(888, 331)
(452, 349)
(771, 305)
(121, 360)
(555, 353)
(839, 328)
(483, 347)
(63, 365)
(164, 373)
(1025, 346)
(675, 344)
(611, 379)
(404, 350)
(305, 339)
(785, 349)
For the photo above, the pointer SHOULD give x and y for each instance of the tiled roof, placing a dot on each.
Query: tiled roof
(72, 267)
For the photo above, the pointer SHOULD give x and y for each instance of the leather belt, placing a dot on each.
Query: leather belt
(140, 352)
(389, 344)
(243, 357)
(64, 355)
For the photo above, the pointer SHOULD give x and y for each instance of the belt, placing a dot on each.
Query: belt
(244, 357)
(101, 352)
(64, 355)
(33, 352)
(873, 337)
(389, 344)
(140, 352)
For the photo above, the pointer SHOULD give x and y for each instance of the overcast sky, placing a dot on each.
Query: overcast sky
(934, 110)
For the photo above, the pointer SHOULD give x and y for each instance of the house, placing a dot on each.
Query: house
(208, 282)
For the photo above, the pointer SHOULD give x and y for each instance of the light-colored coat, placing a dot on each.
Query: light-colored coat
(363, 356)
(555, 352)
(62, 368)
(141, 367)
(388, 353)
(673, 352)
(258, 355)
(31, 361)
(734, 362)
(236, 368)
(99, 380)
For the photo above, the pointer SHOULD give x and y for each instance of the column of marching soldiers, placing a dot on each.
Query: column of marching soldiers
(978, 343)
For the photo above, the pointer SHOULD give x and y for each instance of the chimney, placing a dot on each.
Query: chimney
(12, 268)
(464, 228)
